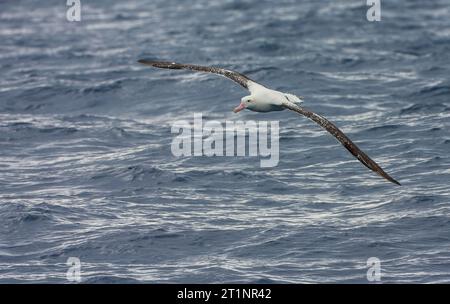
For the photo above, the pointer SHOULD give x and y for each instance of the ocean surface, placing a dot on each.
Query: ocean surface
(86, 168)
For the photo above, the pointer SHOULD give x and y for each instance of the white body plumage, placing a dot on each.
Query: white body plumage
(263, 99)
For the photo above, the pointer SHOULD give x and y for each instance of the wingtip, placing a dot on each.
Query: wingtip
(392, 180)
(160, 64)
(149, 62)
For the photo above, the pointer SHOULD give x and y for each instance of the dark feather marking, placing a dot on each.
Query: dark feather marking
(235, 76)
(343, 139)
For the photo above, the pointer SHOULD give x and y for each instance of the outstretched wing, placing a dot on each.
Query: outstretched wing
(344, 140)
(235, 76)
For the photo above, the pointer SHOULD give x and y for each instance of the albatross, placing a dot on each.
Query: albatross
(263, 99)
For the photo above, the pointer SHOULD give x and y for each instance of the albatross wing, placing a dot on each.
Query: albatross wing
(342, 138)
(235, 76)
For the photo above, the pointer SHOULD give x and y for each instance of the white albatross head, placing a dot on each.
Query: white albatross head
(247, 102)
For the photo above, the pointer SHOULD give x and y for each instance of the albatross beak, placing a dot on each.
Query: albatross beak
(239, 108)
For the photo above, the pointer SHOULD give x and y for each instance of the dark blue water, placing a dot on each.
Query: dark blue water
(86, 168)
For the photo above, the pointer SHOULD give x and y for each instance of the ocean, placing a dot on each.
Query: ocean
(87, 173)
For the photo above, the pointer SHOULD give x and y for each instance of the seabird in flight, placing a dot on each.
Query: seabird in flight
(262, 99)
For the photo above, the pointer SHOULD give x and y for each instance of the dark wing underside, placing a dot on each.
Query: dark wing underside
(343, 139)
(235, 76)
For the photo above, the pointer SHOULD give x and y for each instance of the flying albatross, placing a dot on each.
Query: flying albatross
(262, 99)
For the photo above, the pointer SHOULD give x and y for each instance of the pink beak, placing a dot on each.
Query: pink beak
(239, 108)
